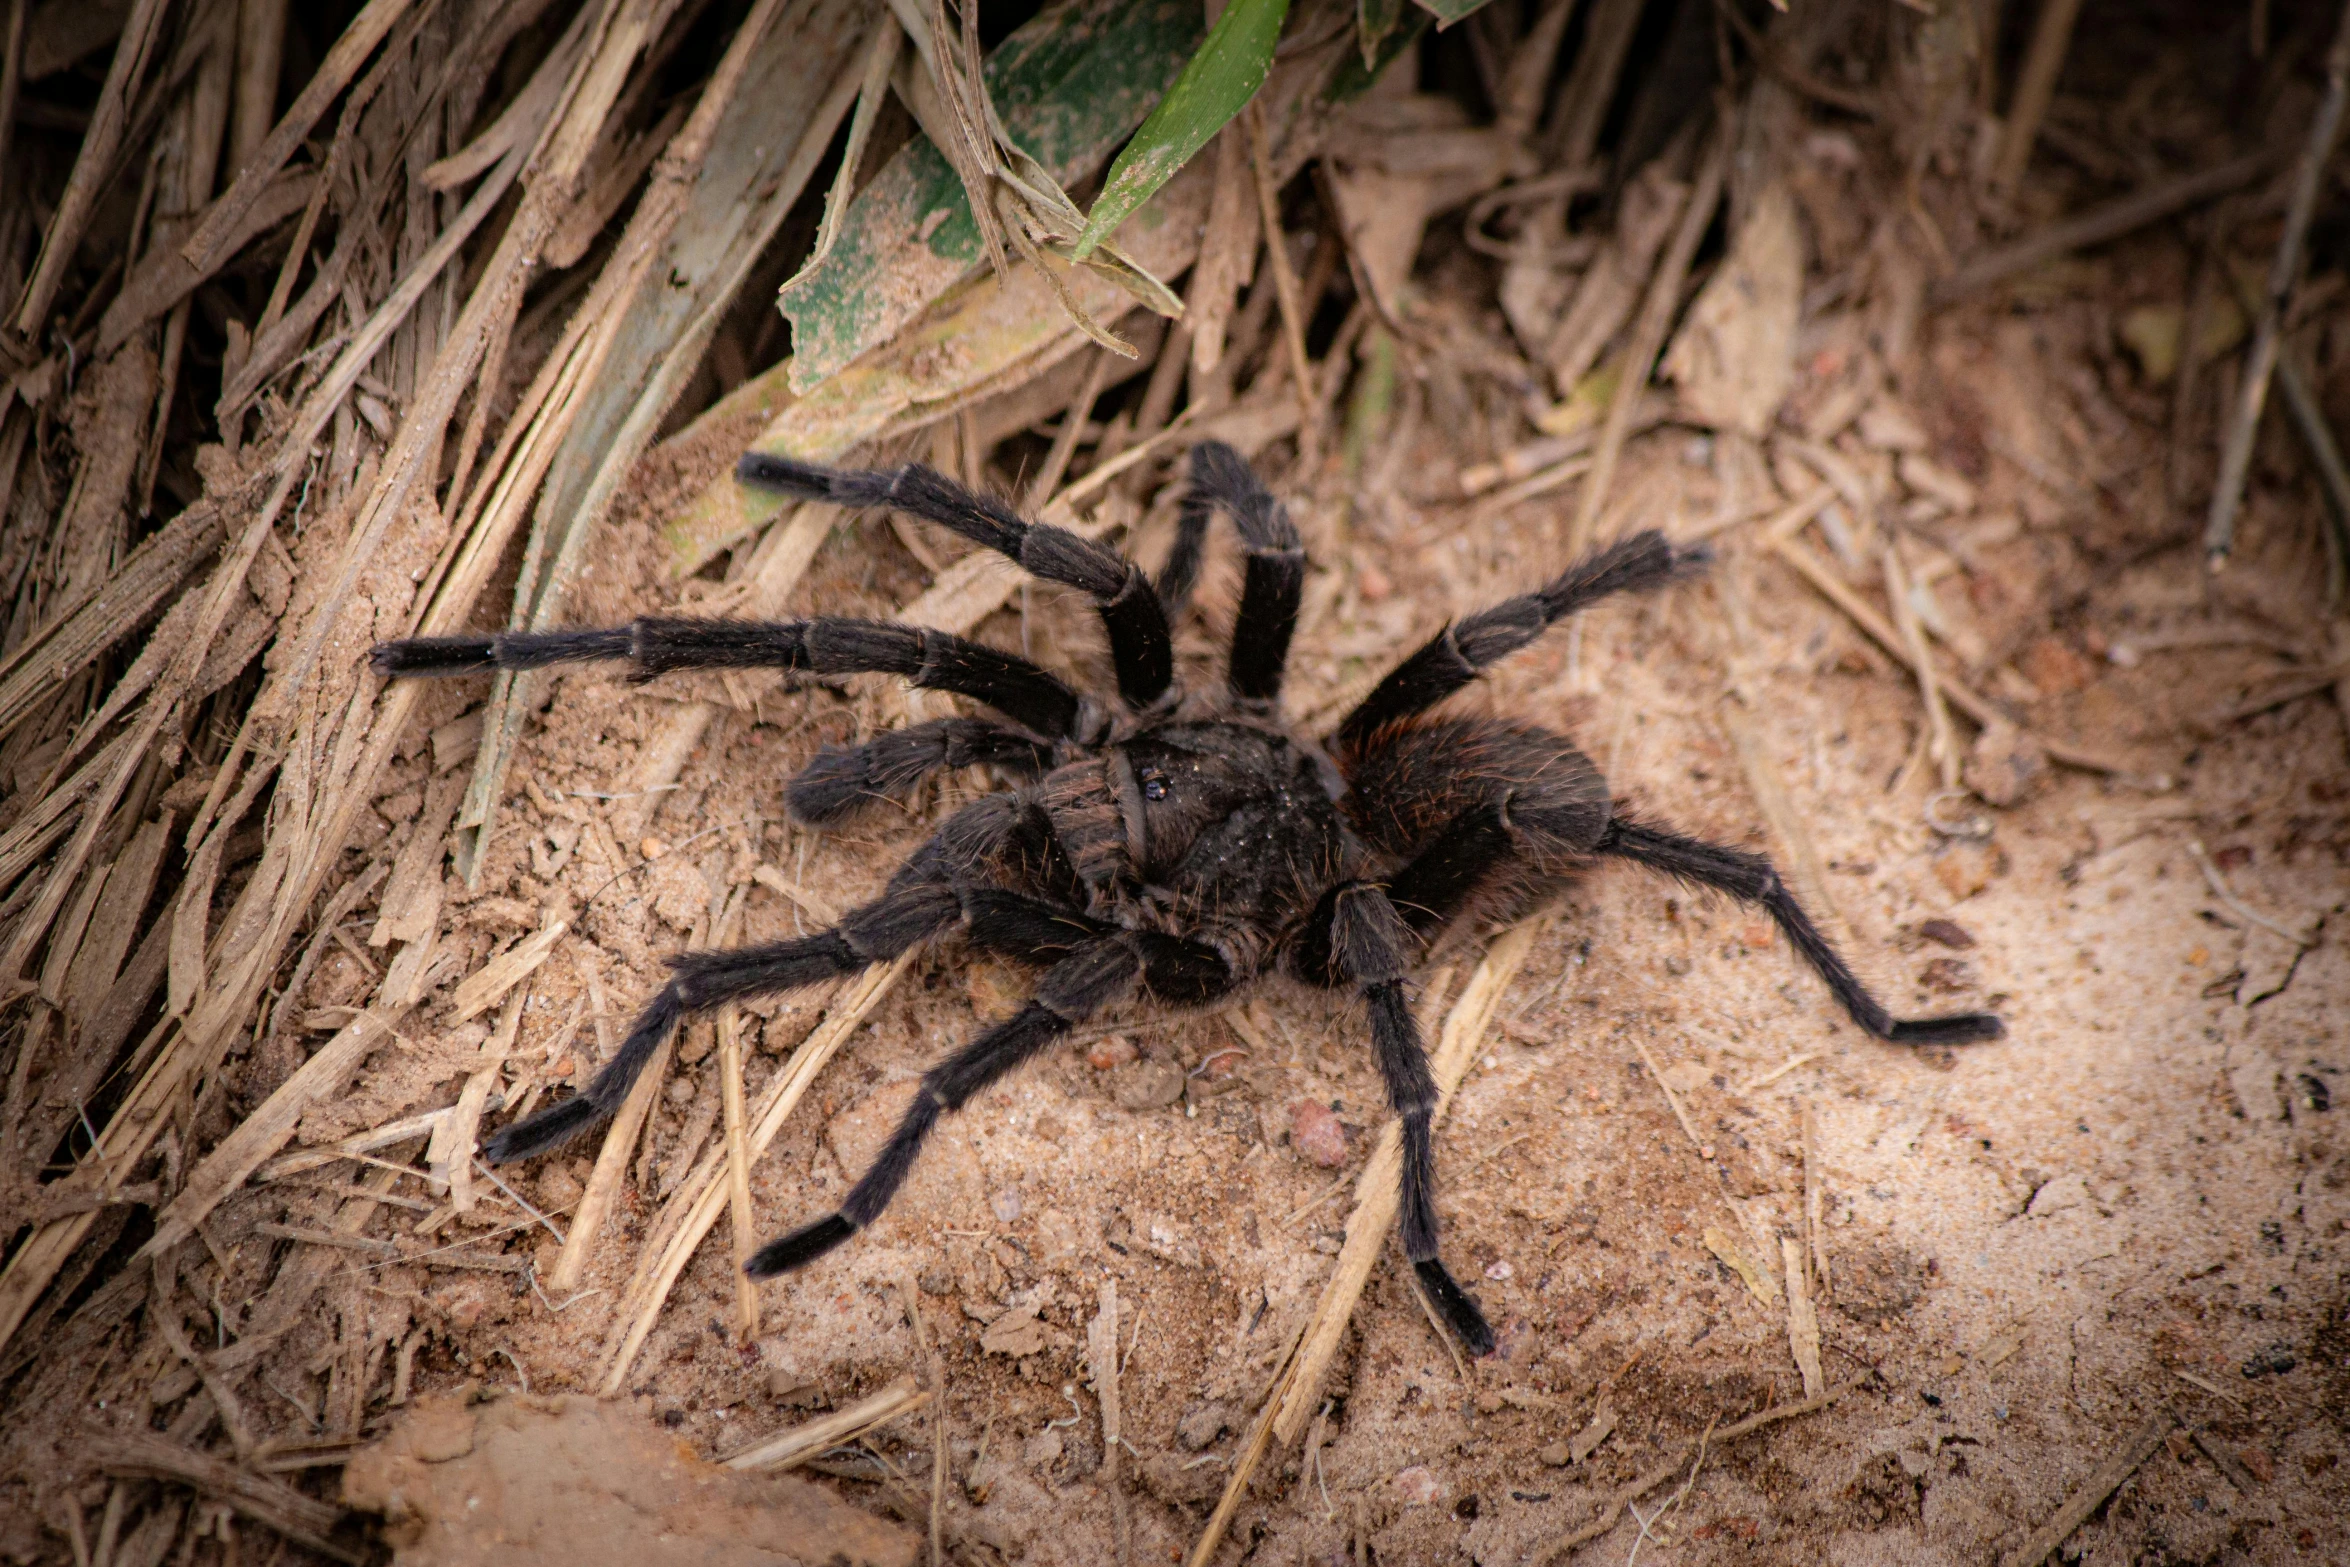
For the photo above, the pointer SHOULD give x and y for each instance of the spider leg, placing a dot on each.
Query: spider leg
(656, 645)
(1753, 879)
(1357, 936)
(1097, 971)
(1129, 608)
(1455, 655)
(873, 933)
(996, 837)
(1474, 801)
(1275, 570)
(842, 778)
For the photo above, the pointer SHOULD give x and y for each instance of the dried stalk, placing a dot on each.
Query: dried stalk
(1648, 332)
(1297, 1388)
(2052, 37)
(2260, 362)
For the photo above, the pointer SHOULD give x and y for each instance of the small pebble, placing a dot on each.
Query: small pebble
(559, 1188)
(1147, 1084)
(2275, 1360)
(1374, 583)
(1556, 1455)
(1112, 1050)
(1950, 933)
(1500, 1272)
(653, 848)
(1417, 1486)
(1005, 1201)
(680, 1091)
(1316, 1133)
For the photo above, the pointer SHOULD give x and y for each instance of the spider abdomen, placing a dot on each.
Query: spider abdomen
(1411, 780)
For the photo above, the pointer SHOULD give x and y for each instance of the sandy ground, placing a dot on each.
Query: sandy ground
(2136, 1200)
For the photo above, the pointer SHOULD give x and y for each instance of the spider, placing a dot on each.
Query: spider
(1177, 846)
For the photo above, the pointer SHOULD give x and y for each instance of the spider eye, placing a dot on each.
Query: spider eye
(1154, 785)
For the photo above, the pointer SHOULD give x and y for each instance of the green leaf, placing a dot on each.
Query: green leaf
(1448, 12)
(1071, 83)
(1215, 85)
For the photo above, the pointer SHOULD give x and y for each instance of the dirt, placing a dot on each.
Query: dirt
(2136, 1199)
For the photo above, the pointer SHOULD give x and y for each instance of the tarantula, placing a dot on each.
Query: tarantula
(1177, 845)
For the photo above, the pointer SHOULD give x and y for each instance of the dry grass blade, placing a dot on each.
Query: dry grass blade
(482, 989)
(611, 1168)
(263, 1132)
(2052, 36)
(1649, 1479)
(1943, 740)
(272, 1503)
(1962, 696)
(718, 193)
(92, 165)
(331, 775)
(1101, 1363)
(2235, 460)
(369, 28)
(1293, 324)
(2099, 224)
(881, 57)
(1803, 1318)
(738, 1168)
(2119, 1465)
(693, 1211)
(803, 1442)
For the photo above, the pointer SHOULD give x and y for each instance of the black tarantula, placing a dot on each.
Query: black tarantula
(1179, 845)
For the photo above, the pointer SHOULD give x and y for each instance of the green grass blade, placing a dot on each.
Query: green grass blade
(1216, 84)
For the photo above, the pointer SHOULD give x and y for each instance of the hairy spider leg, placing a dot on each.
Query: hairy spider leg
(656, 645)
(840, 779)
(1140, 649)
(1096, 972)
(1524, 800)
(998, 837)
(1274, 573)
(873, 933)
(1753, 879)
(1455, 655)
(1356, 936)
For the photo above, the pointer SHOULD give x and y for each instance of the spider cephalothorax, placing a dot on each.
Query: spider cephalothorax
(1168, 847)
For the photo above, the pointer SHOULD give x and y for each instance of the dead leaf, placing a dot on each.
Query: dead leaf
(1758, 1277)
(1734, 358)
